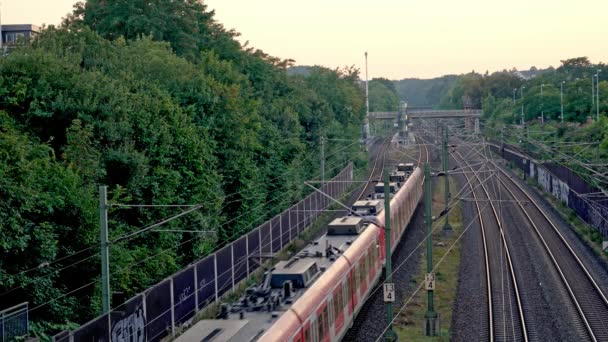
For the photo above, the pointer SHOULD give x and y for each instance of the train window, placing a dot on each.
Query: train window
(338, 302)
(307, 334)
(344, 298)
(323, 323)
(356, 277)
(330, 312)
(351, 287)
(376, 248)
(372, 263)
(363, 269)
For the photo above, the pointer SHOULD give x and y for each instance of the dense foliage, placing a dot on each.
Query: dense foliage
(158, 101)
(503, 94)
(383, 96)
(424, 92)
(507, 98)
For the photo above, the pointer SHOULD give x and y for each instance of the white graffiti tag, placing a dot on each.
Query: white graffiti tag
(131, 328)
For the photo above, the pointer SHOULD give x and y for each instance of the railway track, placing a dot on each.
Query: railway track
(376, 172)
(370, 321)
(586, 296)
(505, 313)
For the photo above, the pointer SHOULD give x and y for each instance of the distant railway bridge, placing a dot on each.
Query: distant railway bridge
(470, 116)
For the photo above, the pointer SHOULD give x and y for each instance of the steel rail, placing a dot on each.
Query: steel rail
(371, 175)
(508, 254)
(555, 261)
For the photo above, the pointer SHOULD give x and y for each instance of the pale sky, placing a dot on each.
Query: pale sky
(404, 38)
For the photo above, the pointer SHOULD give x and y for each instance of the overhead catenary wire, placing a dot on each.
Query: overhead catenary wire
(128, 267)
(95, 246)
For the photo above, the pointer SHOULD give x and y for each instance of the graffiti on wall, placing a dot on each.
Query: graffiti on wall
(131, 328)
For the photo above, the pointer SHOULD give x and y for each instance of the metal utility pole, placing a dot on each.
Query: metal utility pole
(561, 99)
(597, 102)
(105, 248)
(502, 141)
(522, 105)
(322, 162)
(542, 106)
(445, 158)
(389, 286)
(431, 318)
(1, 41)
(366, 121)
(592, 92)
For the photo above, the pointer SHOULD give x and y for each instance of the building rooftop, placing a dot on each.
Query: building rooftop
(20, 27)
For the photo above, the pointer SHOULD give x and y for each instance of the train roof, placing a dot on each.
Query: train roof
(294, 266)
(324, 252)
(346, 220)
(365, 203)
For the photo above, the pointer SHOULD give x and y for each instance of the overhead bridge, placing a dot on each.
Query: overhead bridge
(428, 114)
(440, 114)
(470, 116)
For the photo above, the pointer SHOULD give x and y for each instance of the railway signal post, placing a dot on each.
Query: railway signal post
(431, 318)
(447, 229)
(389, 286)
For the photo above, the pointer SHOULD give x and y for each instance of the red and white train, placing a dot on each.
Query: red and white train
(316, 295)
(327, 309)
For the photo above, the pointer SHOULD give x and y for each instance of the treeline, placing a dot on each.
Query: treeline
(160, 102)
(383, 96)
(502, 94)
(424, 92)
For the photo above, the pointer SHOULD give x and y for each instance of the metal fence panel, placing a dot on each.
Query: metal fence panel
(265, 232)
(253, 239)
(158, 311)
(293, 220)
(299, 215)
(307, 211)
(14, 322)
(184, 295)
(95, 330)
(224, 270)
(63, 336)
(316, 200)
(277, 242)
(286, 235)
(129, 321)
(324, 199)
(240, 259)
(205, 279)
(565, 185)
(213, 276)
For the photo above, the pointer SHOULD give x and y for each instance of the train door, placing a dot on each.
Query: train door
(299, 337)
(352, 291)
(313, 330)
(363, 273)
(307, 332)
(338, 308)
(372, 263)
(323, 325)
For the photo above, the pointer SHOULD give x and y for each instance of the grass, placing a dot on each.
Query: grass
(409, 324)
